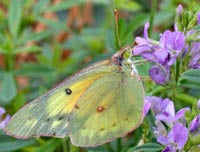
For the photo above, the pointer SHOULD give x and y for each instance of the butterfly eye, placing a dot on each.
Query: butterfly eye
(68, 91)
(117, 59)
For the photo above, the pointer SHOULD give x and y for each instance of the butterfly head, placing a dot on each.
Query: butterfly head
(119, 57)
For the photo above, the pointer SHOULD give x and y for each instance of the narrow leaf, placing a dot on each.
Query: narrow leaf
(148, 147)
(190, 79)
(34, 70)
(8, 89)
(30, 49)
(14, 17)
(15, 145)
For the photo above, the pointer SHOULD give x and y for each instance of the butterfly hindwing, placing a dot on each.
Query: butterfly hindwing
(110, 108)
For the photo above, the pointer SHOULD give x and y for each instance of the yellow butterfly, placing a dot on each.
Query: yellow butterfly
(96, 105)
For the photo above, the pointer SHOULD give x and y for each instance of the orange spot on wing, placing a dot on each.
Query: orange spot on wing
(100, 109)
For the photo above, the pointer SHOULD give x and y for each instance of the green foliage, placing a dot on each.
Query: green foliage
(15, 145)
(190, 79)
(14, 17)
(8, 89)
(148, 147)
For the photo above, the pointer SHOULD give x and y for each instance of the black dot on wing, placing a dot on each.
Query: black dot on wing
(48, 119)
(68, 91)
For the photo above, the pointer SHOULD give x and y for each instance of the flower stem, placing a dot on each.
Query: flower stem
(65, 145)
(177, 70)
(153, 10)
(119, 144)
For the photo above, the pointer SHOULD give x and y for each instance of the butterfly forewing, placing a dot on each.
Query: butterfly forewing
(49, 114)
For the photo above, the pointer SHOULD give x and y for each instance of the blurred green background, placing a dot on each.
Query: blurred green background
(42, 42)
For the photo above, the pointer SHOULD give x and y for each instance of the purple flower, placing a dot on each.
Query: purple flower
(165, 111)
(170, 117)
(4, 121)
(142, 44)
(145, 45)
(179, 9)
(147, 106)
(173, 43)
(176, 138)
(198, 17)
(158, 105)
(164, 52)
(159, 74)
(195, 124)
(195, 55)
(160, 130)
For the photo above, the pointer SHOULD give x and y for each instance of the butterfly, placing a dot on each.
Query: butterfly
(96, 105)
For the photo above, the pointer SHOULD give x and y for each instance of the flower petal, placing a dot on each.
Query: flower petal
(181, 113)
(179, 9)
(155, 103)
(2, 111)
(147, 106)
(4, 122)
(146, 27)
(170, 107)
(179, 135)
(159, 75)
(195, 124)
(198, 17)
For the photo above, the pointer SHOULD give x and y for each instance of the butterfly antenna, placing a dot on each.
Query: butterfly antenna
(116, 27)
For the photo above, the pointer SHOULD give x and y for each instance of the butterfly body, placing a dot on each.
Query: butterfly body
(96, 105)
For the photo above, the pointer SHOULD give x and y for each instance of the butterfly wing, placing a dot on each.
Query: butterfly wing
(49, 114)
(111, 107)
(94, 106)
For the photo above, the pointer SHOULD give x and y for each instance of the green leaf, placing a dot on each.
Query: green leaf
(70, 3)
(8, 89)
(194, 149)
(38, 36)
(192, 72)
(14, 17)
(185, 98)
(3, 51)
(190, 79)
(35, 70)
(65, 5)
(136, 22)
(30, 49)
(148, 147)
(40, 6)
(197, 27)
(55, 25)
(127, 5)
(15, 145)
(49, 146)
